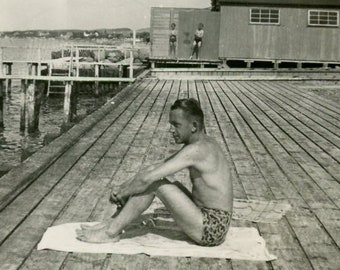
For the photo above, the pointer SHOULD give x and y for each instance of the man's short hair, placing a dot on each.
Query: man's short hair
(192, 108)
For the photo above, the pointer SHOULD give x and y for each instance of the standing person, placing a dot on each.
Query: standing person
(203, 214)
(197, 41)
(173, 41)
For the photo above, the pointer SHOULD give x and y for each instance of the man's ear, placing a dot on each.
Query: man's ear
(194, 127)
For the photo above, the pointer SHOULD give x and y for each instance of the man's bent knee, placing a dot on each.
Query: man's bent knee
(159, 183)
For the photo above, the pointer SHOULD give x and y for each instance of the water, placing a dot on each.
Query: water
(15, 146)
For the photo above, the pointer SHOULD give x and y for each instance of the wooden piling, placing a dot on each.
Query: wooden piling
(70, 103)
(77, 62)
(74, 100)
(9, 81)
(39, 62)
(131, 65)
(1, 61)
(23, 106)
(30, 105)
(70, 67)
(33, 103)
(1, 105)
(96, 74)
(120, 73)
(39, 90)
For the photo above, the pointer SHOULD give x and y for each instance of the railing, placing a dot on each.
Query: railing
(33, 81)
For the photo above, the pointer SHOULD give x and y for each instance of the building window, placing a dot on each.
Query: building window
(264, 16)
(323, 18)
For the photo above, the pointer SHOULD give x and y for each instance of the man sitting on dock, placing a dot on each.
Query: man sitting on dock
(203, 214)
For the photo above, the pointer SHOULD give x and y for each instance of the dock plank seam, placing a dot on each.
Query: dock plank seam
(295, 127)
(319, 224)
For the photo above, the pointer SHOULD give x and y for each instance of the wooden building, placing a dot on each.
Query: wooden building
(186, 21)
(276, 31)
(296, 30)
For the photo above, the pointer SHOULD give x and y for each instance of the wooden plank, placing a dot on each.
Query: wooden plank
(209, 263)
(48, 204)
(209, 107)
(319, 246)
(2, 101)
(69, 78)
(322, 236)
(132, 157)
(127, 262)
(330, 219)
(169, 263)
(15, 181)
(285, 247)
(315, 197)
(311, 98)
(325, 171)
(84, 261)
(325, 125)
(183, 89)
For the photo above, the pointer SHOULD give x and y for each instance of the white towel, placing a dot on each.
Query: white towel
(250, 210)
(241, 243)
(259, 211)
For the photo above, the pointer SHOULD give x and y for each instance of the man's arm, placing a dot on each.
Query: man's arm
(143, 179)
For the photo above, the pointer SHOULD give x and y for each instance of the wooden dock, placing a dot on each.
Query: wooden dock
(283, 142)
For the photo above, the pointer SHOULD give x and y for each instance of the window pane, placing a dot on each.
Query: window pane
(265, 16)
(323, 17)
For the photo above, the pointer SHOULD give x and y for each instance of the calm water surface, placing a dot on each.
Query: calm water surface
(15, 146)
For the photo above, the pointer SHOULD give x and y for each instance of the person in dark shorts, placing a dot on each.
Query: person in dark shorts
(198, 39)
(173, 41)
(204, 213)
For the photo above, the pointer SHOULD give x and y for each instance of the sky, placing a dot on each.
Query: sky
(83, 14)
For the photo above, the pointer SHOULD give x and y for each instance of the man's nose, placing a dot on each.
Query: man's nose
(172, 129)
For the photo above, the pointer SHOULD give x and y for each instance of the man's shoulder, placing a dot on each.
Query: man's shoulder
(201, 147)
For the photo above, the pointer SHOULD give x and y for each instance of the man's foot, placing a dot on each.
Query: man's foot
(190, 57)
(96, 236)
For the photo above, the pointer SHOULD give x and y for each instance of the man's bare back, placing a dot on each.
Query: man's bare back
(211, 177)
(203, 214)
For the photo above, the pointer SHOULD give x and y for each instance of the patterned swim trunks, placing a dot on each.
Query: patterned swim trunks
(215, 226)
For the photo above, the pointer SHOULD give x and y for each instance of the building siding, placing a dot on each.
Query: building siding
(291, 40)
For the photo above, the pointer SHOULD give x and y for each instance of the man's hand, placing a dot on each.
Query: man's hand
(117, 197)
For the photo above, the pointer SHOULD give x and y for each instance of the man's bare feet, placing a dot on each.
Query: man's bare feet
(96, 236)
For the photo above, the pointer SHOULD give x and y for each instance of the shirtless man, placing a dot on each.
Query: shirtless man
(203, 214)
(197, 44)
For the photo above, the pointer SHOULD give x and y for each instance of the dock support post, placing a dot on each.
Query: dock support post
(23, 105)
(70, 103)
(50, 69)
(96, 83)
(39, 62)
(77, 62)
(34, 94)
(120, 73)
(74, 100)
(1, 67)
(7, 70)
(131, 65)
(70, 68)
(1, 105)
(30, 104)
